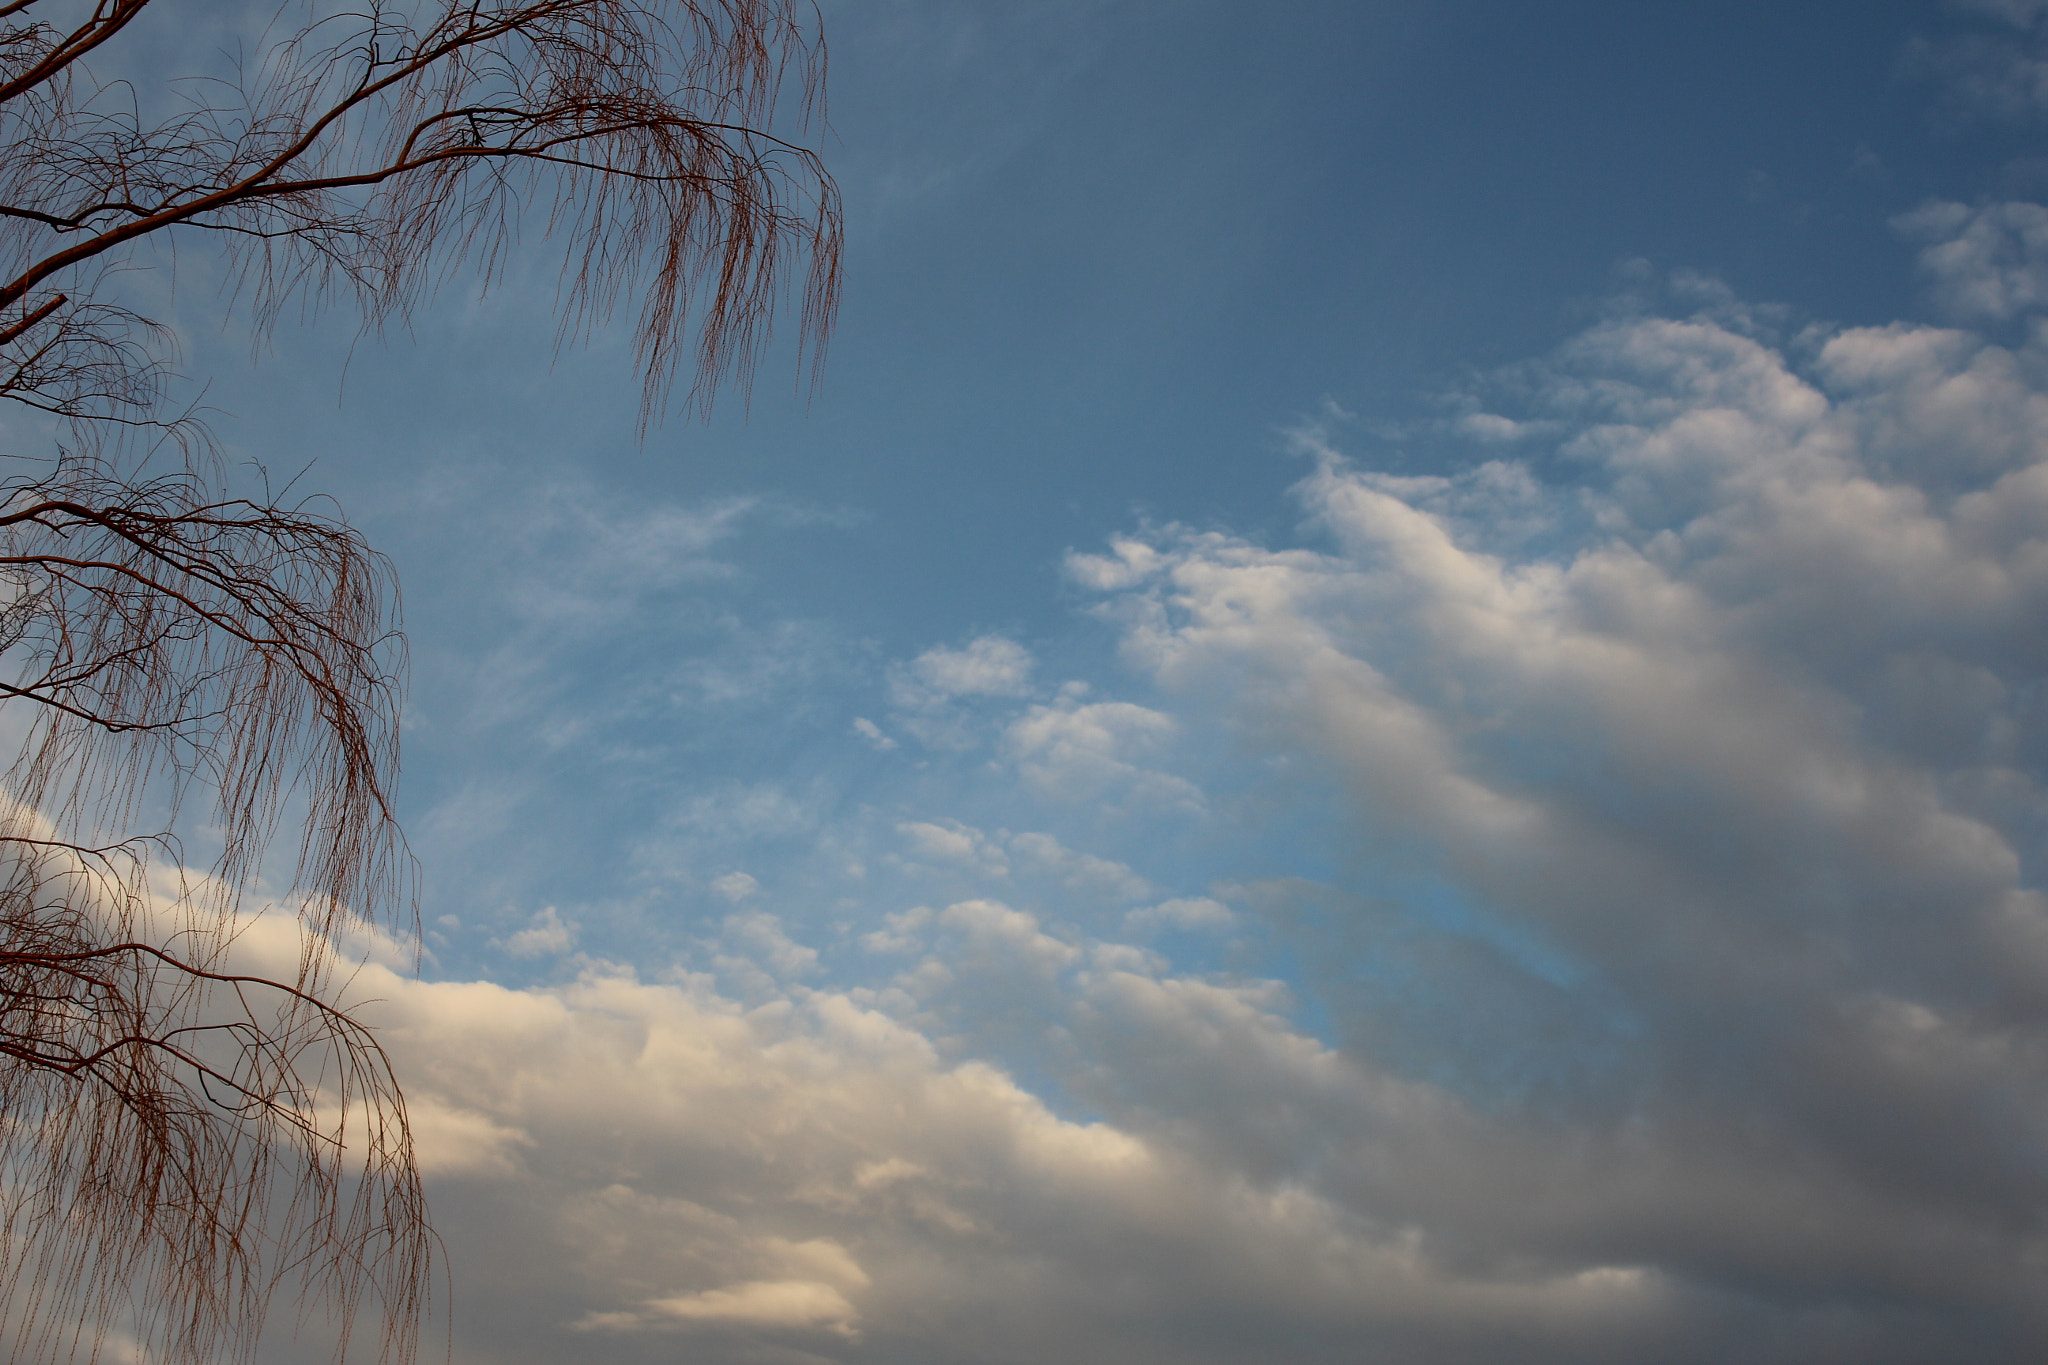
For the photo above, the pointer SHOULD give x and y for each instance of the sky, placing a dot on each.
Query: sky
(1389, 707)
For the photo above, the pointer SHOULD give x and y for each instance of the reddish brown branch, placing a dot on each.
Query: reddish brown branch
(164, 1164)
(14, 330)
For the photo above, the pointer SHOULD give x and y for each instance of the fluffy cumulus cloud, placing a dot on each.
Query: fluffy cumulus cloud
(936, 694)
(1670, 984)
(649, 1167)
(1731, 805)
(1097, 751)
(1987, 264)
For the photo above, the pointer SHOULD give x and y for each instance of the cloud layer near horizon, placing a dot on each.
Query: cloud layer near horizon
(1671, 969)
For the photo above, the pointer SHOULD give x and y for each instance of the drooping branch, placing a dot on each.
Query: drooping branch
(175, 1136)
(173, 1126)
(176, 642)
(178, 1136)
(375, 154)
(53, 60)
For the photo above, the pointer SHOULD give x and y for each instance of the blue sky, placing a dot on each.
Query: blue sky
(1388, 707)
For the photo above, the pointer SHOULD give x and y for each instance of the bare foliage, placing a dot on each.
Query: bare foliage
(174, 1134)
(182, 1138)
(369, 152)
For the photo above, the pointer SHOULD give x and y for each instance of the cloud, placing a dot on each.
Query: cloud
(938, 694)
(771, 1304)
(460, 1142)
(1129, 561)
(2019, 13)
(956, 845)
(1993, 72)
(1724, 815)
(990, 666)
(597, 660)
(777, 1303)
(735, 813)
(1986, 264)
(1089, 752)
(1653, 825)
(873, 734)
(1192, 915)
(811, 1171)
(547, 935)
(754, 940)
(1083, 873)
(1490, 426)
(736, 886)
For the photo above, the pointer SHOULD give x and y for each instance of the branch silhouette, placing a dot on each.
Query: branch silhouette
(181, 1138)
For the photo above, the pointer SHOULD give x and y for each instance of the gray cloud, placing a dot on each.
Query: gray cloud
(1683, 948)
(1753, 772)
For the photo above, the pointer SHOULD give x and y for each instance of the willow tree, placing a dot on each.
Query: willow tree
(183, 1139)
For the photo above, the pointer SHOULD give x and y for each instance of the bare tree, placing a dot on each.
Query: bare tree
(182, 1139)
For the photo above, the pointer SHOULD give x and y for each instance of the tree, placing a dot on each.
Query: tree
(180, 1138)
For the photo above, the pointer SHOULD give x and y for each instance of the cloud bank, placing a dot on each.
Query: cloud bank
(1648, 960)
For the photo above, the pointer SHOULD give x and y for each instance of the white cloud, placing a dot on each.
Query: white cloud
(940, 696)
(873, 734)
(994, 931)
(1129, 561)
(900, 931)
(1490, 426)
(1089, 752)
(774, 1304)
(989, 666)
(547, 935)
(956, 845)
(460, 1142)
(1986, 264)
(810, 1170)
(766, 1303)
(756, 938)
(1080, 872)
(736, 886)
